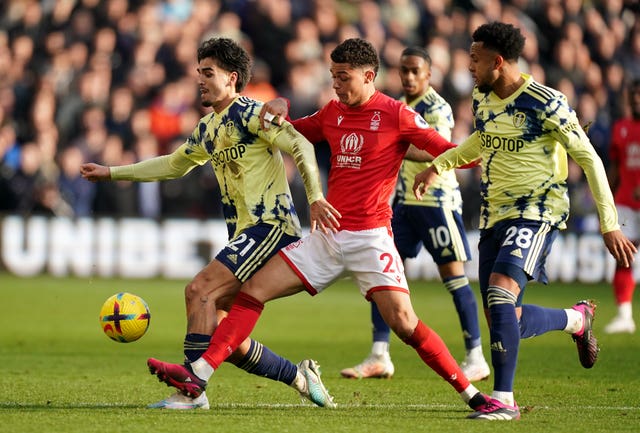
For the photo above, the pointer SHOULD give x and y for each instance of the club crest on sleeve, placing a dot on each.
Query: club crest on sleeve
(420, 122)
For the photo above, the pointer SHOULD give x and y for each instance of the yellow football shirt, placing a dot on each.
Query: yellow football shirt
(523, 142)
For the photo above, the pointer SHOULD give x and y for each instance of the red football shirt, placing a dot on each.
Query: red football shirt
(367, 145)
(624, 151)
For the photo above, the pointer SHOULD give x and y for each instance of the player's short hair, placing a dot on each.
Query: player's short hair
(417, 51)
(229, 56)
(356, 52)
(504, 38)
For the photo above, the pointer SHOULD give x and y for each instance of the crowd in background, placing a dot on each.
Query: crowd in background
(114, 82)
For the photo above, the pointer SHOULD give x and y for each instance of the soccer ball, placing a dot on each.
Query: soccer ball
(124, 317)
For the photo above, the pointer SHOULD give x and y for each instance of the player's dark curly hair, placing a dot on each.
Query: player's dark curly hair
(502, 38)
(229, 56)
(356, 52)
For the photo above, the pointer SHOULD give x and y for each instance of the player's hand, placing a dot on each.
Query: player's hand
(621, 248)
(274, 112)
(95, 172)
(324, 216)
(423, 180)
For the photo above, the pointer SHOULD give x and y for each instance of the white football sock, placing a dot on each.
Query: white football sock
(504, 397)
(575, 321)
(202, 369)
(468, 393)
(475, 354)
(624, 310)
(380, 348)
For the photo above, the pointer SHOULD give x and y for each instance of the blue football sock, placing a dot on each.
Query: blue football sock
(195, 345)
(467, 308)
(505, 337)
(381, 330)
(261, 361)
(536, 320)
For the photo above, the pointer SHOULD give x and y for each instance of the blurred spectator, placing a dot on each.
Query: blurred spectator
(93, 132)
(260, 87)
(75, 191)
(591, 113)
(269, 25)
(458, 84)
(29, 191)
(47, 141)
(165, 112)
(9, 147)
(121, 106)
(9, 163)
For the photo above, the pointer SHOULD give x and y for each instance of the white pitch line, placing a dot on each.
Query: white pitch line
(411, 406)
(106, 405)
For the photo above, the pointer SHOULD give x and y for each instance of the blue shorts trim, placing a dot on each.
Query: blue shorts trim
(251, 249)
(439, 229)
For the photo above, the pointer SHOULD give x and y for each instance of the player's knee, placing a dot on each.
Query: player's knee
(191, 289)
(196, 289)
(401, 324)
(498, 295)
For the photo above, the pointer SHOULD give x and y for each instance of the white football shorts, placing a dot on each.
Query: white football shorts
(370, 256)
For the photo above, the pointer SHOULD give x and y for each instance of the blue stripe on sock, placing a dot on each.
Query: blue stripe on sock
(261, 361)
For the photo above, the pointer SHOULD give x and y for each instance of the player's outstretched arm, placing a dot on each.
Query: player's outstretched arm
(423, 180)
(621, 248)
(95, 172)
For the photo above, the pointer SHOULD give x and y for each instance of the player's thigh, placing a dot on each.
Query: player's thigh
(526, 244)
(276, 279)
(246, 253)
(516, 248)
(406, 236)
(442, 233)
(317, 259)
(451, 269)
(372, 258)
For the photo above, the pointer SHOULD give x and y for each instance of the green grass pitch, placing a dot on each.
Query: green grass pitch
(60, 373)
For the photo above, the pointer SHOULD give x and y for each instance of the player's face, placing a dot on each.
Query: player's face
(350, 84)
(483, 66)
(217, 86)
(414, 74)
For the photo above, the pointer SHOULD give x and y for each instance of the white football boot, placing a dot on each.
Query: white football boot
(379, 366)
(620, 325)
(475, 370)
(309, 384)
(179, 401)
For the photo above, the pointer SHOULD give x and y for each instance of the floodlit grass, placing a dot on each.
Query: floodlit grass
(59, 373)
